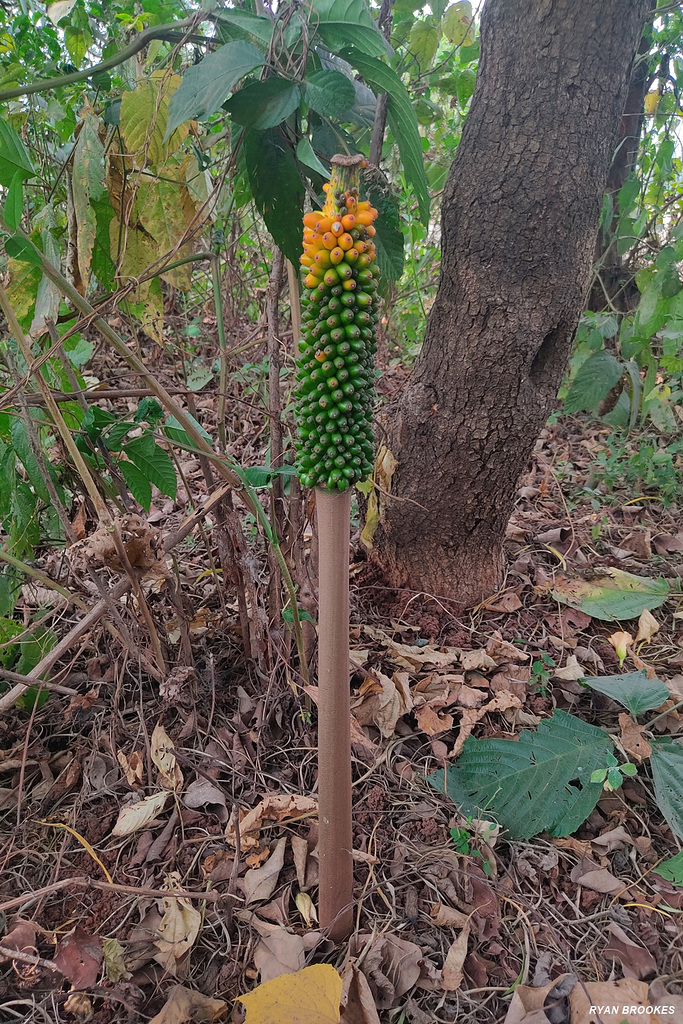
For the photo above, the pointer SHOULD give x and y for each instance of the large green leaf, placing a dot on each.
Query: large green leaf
(402, 121)
(594, 381)
(276, 187)
(540, 783)
(633, 690)
(206, 85)
(305, 154)
(672, 869)
(13, 155)
(389, 239)
(153, 462)
(348, 23)
(265, 104)
(329, 92)
(137, 481)
(667, 772)
(362, 111)
(612, 594)
(244, 25)
(423, 41)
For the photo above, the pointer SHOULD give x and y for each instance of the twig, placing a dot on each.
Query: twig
(92, 883)
(28, 958)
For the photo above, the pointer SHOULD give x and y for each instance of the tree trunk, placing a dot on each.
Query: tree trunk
(519, 223)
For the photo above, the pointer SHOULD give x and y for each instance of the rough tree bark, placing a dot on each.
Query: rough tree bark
(519, 223)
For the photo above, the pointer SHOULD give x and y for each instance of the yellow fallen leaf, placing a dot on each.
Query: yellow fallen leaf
(163, 756)
(135, 816)
(306, 907)
(310, 996)
(620, 641)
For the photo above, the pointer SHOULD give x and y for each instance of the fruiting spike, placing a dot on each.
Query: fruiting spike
(337, 345)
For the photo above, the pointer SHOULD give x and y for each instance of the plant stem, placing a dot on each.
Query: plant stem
(334, 715)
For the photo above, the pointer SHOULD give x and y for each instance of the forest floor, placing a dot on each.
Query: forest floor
(115, 798)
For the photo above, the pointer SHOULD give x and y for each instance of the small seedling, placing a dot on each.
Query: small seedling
(613, 775)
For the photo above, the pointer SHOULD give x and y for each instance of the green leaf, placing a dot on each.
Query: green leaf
(253, 26)
(77, 41)
(40, 641)
(13, 155)
(348, 23)
(672, 869)
(305, 154)
(304, 616)
(465, 86)
(261, 476)
(402, 121)
(422, 43)
(263, 105)
(139, 485)
(458, 24)
(611, 594)
(633, 690)
(594, 381)
(667, 773)
(389, 239)
(175, 432)
(19, 248)
(276, 187)
(14, 202)
(628, 194)
(154, 462)
(199, 378)
(539, 783)
(206, 85)
(329, 92)
(25, 454)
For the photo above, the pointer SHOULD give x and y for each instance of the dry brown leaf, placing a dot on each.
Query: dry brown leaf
(278, 951)
(432, 723)
(260, 883)
(133, 766)
(477, 661)
(204, 794)
(527, 1002)
(282, 807)
(636, 961)
(300, 851)
(452, 975)
(179, 926)
(508, 602)
(163, 756)
(632, 739)
(512, 678)
(616, 839)
(647, 626)
(571, 672)
(357, 1003)
(581, 847)
(591, 876)
(391, 965)
(78, 956)
(470, 716)
(183, 1005)
(446, 917)
(135, 816)
(382, 701)
(627, 994)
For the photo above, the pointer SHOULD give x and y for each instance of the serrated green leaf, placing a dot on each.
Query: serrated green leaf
(263, 105)
(13, 155)
(77, 41)
(633, 690)
(330, 93)
(154, 462)
(14, 201)
(137, 481)
(540, 783)
(422, 43)
(667, 773)
(22, 447)
(593, 382)
(402, 121)
(611, 594)
(345, 23)
(276, 187)
(206, 85)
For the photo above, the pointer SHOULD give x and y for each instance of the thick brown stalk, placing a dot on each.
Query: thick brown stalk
(334, 716)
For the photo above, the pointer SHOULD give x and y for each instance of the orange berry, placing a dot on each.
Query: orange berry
(326, 187)
(324, 224)
(312, 218)
(322, 259)
(371, 230)
(309, 234)
(337, 228)
(329, 240)
(336, 255)
(364, 217)
(348, 221)
(361, 245)
(320, 356)
(305, 261)
(365, 205)
(345, 241)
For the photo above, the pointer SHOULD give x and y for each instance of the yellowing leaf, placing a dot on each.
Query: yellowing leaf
(144, 113)
(458, 24)
(166, 212)
(651, 101)
(178, 929)
(385, 464)
(163, 756)
(306, 907)
(136, 816)
(647, 627)
(310, 996)
(86, 184)
(139, 254)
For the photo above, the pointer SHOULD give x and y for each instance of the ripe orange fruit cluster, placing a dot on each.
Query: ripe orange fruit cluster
(333, 237)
